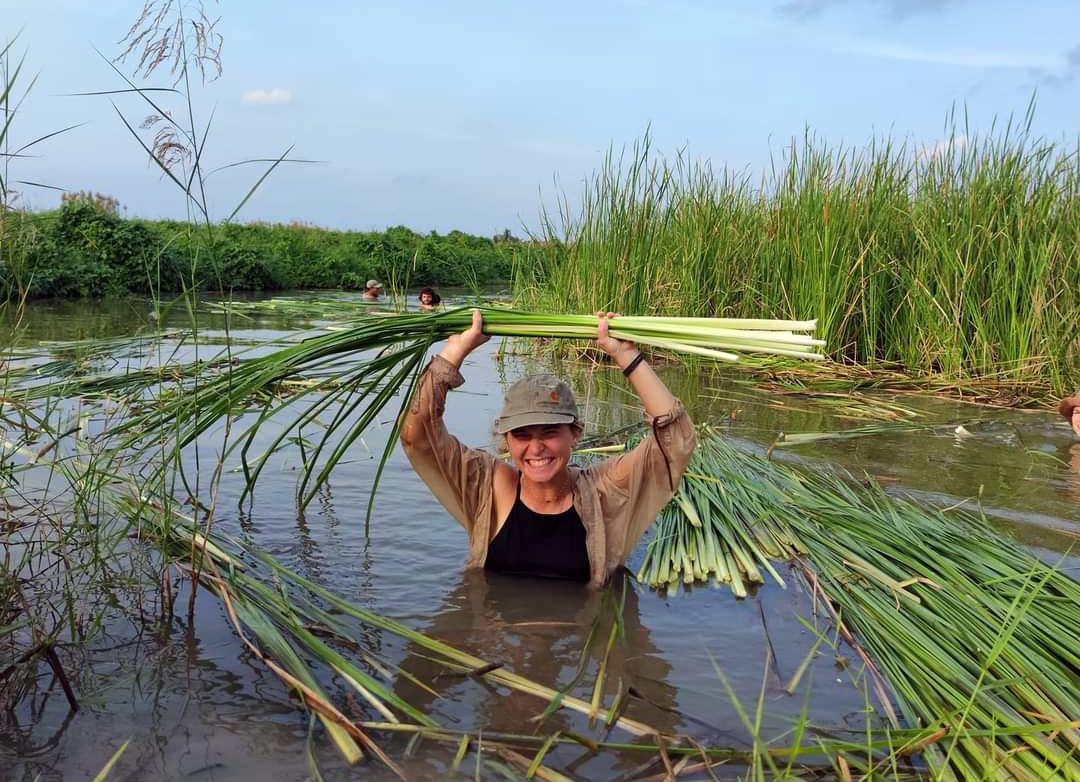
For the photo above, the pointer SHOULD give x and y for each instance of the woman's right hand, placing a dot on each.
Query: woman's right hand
(458, 346)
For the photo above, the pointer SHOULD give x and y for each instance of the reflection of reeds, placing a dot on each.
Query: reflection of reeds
(971, 632)
(964, 264)
(245, 581)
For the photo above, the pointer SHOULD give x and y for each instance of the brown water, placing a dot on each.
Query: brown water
(198, 707)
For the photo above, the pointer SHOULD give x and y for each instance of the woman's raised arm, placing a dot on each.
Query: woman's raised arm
(650, 389)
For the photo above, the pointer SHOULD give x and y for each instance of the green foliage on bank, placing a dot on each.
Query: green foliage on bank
(84, 250)
(958, 262)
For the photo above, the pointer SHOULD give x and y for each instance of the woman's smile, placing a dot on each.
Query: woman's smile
(541, 452)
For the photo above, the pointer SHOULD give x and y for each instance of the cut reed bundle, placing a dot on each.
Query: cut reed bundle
(714, 528)
(354, 371)
(971, 631)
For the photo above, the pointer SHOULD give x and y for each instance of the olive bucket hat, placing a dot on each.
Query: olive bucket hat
(537, 399)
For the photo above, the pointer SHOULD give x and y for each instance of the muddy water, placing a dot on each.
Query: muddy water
(196, 706)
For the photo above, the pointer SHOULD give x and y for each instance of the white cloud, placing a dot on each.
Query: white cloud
(943, 148)
(275, 96)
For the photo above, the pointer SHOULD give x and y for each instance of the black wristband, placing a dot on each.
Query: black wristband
(633, 364)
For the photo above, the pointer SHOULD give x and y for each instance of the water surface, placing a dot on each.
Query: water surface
(197, 706)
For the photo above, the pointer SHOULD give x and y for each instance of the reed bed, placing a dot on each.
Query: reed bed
(961, 264)
(970, 632)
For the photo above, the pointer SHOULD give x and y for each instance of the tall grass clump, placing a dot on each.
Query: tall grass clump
(958, 262)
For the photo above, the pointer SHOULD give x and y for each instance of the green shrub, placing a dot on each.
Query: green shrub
(86, 250)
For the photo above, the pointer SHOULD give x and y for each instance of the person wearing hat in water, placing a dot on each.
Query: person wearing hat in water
(1070, 411)
(372, 290)
(538, 515)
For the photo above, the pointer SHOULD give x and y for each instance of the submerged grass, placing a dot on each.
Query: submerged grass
(959, 264)
(969, 632)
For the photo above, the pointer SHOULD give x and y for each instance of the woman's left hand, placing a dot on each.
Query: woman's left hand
(616, 348)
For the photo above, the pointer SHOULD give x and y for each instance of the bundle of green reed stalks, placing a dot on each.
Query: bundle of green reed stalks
(713, 529)
(970, 631)
(353, 371)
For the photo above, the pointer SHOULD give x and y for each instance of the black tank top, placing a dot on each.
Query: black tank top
(549, 545)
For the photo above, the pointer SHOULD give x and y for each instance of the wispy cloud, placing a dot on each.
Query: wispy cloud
(275, 96)
(958, 57)
(1064, 73)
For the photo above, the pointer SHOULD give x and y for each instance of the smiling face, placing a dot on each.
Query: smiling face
(542, 452)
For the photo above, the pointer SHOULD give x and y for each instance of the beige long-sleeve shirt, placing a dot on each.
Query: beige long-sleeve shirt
(617, 499)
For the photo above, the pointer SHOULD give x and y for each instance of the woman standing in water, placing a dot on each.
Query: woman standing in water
(540, 516)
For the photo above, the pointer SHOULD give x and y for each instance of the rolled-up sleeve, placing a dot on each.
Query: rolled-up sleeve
(636, 486)
(458, 476)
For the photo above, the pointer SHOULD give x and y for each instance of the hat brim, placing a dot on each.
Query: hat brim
(511, 422)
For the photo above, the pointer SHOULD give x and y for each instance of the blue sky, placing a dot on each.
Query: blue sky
(470, 115)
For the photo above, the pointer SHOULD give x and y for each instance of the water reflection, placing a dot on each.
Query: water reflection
(552, 632)
(1071, 457)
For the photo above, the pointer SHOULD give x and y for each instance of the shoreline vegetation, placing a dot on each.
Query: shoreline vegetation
(86, 249)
